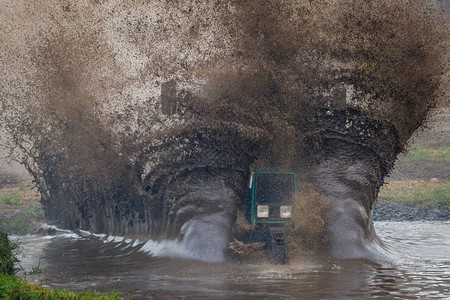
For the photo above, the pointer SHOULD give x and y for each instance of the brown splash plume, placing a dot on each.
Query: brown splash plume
(97, 95)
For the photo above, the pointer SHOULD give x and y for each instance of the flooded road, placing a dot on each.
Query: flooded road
(417, 266)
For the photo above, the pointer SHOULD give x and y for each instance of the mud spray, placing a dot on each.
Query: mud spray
(145, 118)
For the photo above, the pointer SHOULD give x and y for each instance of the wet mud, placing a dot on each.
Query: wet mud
(147, 119)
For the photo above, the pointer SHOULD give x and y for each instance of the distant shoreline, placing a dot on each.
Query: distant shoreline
(403, 212)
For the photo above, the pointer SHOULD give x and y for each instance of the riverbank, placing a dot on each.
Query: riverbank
(418, 188)
(20, 210)
(414, 200)
(13, 287)
(385, 211)
(16, 288)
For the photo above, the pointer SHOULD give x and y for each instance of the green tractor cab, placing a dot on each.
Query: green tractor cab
(271, 199)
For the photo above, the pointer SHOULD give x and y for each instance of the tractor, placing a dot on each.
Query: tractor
(270, 208)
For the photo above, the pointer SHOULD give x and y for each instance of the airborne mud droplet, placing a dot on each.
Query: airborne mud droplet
(140, 118)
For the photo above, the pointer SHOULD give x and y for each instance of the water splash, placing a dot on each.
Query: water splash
(139, 118)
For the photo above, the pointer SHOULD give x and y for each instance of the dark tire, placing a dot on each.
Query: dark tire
(278, 245)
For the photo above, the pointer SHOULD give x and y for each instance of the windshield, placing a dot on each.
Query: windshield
(274, 188)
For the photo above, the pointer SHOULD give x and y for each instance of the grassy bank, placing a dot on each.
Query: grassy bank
(7, 258)
(425, 193)
(418, 153)
(431, 192)
(15, 288)
(20, 210)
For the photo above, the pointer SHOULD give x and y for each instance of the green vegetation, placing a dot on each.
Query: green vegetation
(426, 195)
(15, 288)
(9, 198)
(20, 210)
(22, 222)
(36, 269)
(418, 153)
(7, 258)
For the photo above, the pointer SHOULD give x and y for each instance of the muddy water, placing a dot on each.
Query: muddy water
(416, 266)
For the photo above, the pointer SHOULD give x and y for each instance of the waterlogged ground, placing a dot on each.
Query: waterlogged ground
(417, 267)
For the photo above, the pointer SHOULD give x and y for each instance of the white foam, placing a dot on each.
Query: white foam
(166, 248)
(119, 239)
(174, 248)
(45, 226)
(109, 239)
(60, 233)
(70, 235)
(136, 243)
(99, 235)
